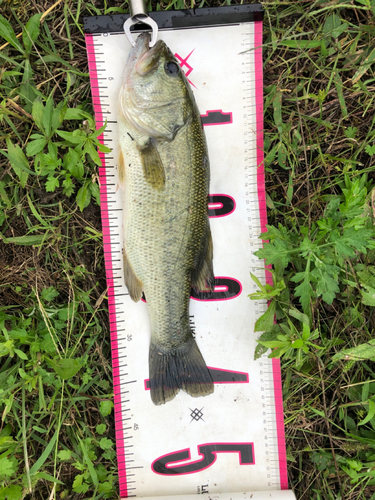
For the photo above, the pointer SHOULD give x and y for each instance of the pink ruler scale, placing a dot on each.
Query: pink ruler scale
(148, 466)
(94, 83)
(258, 62)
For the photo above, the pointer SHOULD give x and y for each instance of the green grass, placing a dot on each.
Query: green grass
(56, 400)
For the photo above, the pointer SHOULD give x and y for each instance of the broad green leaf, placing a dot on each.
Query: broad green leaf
(68, 186)
(37, 112)
(371, 413)
(3, 195)
(21, 354)
(58, 115)
(49, 294)
(35, 147)
(300, 44)
(78, 481)
(333, 26)
(31, 32)
(265, 322)
(260, 285)
(39, 429)
(73, 163)
(12, 492)
(47, 477)
(271, 155)
(8, 406)
(47, 116)
(101, 428)
(27, 91)
(52, 150)
(37, 214)
(365, 391)
(277, 353)
(95, 192)
(327, 285)
(78, 486)
(6, 31)
(89, 463)
(102, 148)
(368, 298)
(105, 444)
(99, 131)
(297, 344)
(366, 275)
(365, 65)
(265, 337)
(106, 486)
(52, 183)
(25, 240)
(7, 442)
(92, 152)
(279, 251)
(83, 196)
(65, 454)
(305, 292)
(7, 467)
(275, 343)
(303, 318)
(370, 150)
(18, 162)
(68, 136)
(106, 407)
(357, 353)
(79, 114)
(323, 49)
(66, 368)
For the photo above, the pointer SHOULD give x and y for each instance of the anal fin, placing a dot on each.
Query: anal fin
(202, 278)
(134, 285)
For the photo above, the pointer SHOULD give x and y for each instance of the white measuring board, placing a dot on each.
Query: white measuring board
(232, 441)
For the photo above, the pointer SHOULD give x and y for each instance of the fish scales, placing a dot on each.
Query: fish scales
(164, 172)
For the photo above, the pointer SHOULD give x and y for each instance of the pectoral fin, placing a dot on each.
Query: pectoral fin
(153, 168)
(134, 285)
(203, 279)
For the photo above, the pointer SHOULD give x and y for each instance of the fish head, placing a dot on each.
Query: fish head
(155, 96)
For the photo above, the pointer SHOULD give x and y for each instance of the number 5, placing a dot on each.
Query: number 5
(208, 453)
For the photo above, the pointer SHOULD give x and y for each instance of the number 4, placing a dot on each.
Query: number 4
(209, 454)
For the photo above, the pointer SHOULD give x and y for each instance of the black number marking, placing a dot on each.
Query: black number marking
(225, 288)
(220, 205)
(216, 117)
(209, 454)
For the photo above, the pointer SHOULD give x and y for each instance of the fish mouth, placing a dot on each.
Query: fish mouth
(149, 58)
(142, 59)
(140, 48)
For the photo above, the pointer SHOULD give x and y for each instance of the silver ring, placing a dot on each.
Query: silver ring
(140, 18)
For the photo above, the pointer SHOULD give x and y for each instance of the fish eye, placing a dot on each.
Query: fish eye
(171, 68)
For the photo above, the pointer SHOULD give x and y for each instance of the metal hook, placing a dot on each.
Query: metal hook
(144, 19)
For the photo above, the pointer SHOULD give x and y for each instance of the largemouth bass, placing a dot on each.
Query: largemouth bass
(164, 172)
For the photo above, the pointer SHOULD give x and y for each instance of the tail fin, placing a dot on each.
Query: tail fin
(183, 369)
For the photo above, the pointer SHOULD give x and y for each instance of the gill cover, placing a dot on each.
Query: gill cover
(155, 95)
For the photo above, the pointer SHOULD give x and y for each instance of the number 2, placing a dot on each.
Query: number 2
(209, 454)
